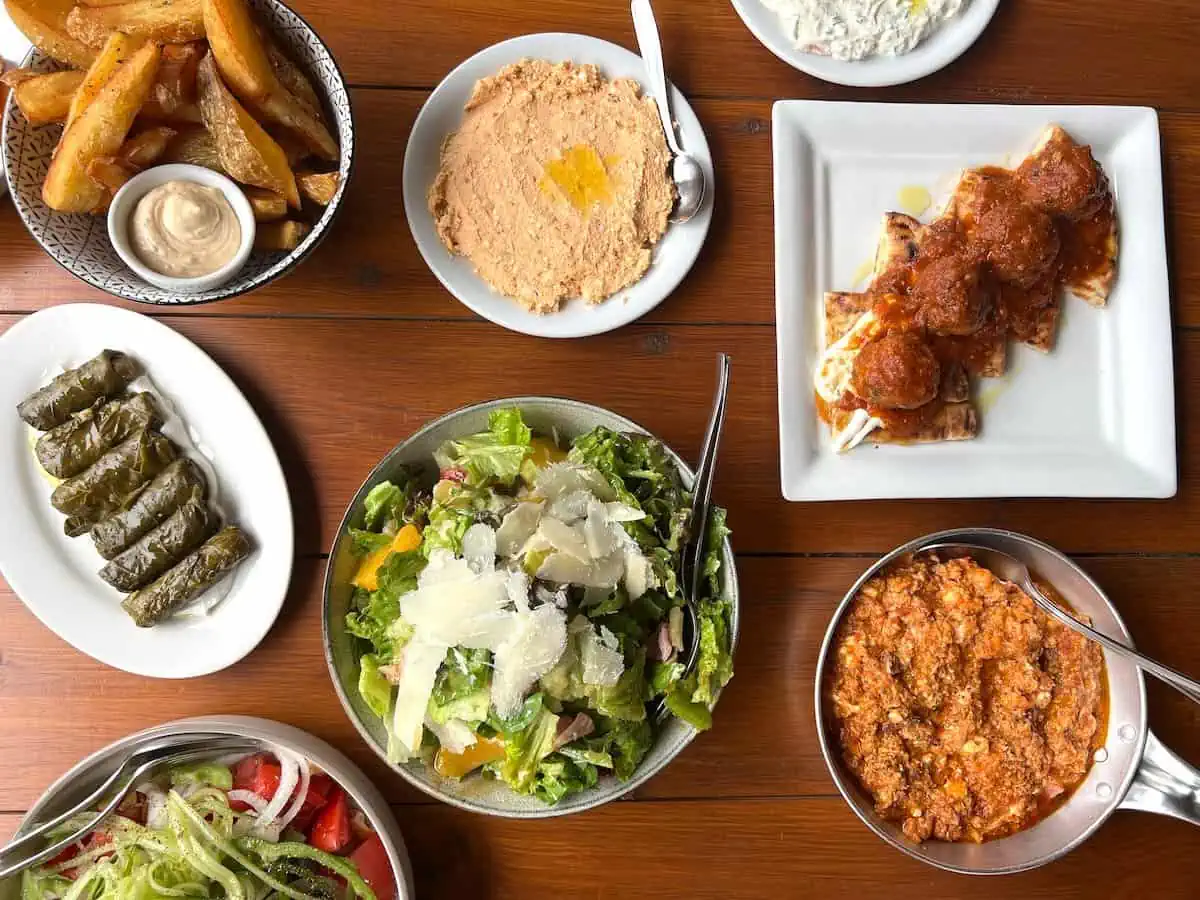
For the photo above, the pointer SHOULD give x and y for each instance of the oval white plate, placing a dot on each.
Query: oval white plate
(443, 113)
(55, 576)
(936, 52)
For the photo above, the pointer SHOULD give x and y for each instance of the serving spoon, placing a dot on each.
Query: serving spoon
(685, 171)
(1009, 568)
(693, 551)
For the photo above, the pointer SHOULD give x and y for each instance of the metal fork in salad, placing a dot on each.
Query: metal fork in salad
(264, 826)
(519, 615)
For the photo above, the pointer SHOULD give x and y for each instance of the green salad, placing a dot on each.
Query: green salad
(518, 618)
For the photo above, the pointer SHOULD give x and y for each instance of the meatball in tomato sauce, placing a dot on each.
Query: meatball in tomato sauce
(1063, 179)
(1018, 240)
(951, 297)
(898, 371)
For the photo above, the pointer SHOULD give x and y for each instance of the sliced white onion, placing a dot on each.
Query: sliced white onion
(301, 795)
(156, 805)
(251, 799)
(288, 776)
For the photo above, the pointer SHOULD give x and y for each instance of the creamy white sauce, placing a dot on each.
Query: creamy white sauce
(858, 29)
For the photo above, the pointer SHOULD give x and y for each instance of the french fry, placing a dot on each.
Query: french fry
(246, 151)
(319, 187)
(175, 88)
(42, 98)
(166, 21)
(267, 205)
(146, 147)
(193, 145)
(116, 50)
(243, 62)
(99, 131)
(282, 235)
(44, 22)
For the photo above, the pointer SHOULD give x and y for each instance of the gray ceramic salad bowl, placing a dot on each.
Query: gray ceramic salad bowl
(87, 774)
(545, 415)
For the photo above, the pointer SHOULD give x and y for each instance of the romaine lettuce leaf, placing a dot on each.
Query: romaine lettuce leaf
(492, 456)
(375, 690)
(463, 687)
(376, 612)
(524, 750)
(557, 776)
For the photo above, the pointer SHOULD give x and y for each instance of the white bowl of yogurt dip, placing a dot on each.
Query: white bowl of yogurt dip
(182, 228)
(867, 43)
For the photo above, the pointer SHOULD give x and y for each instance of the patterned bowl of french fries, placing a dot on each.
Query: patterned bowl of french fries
(243, 87)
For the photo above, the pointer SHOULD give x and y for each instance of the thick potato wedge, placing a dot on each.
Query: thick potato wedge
(292, 77)
(245, 66)
(193, 145)
(116, 50)
(43, 98)
(267, 205)
(188, 114)
(283, 235)
(284, 109)
(110, 174)
(99, 131)
(44, 22)
(175, 88)
(146, 147)
(166, 21)
(247, 152)
(319, 187)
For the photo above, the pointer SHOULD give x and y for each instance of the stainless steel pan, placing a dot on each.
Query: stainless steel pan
(1133, 770)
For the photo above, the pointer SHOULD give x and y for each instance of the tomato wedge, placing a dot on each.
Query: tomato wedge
(371, 860)
(331, 831)
(259, 774)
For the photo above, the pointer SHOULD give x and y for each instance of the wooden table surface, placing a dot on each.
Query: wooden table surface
(340, 361)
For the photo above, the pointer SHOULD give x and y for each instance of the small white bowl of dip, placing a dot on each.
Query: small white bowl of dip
(193, 233)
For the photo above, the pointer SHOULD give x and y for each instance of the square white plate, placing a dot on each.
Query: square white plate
(1095, 418)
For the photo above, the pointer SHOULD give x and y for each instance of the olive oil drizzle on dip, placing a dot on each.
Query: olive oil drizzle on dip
(184, 230)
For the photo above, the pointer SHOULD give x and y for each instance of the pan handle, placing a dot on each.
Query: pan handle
(1164, 784)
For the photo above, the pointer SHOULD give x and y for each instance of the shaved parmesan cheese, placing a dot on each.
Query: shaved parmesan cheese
(517, 587)
(420, 668)
(570, 507)
(479, 548)
(564, 537)
(562, 478)
(516, 528)
(639, 574)
(620, 512)
(601, 658)
(563, 568)
(599, 531)
(537, 641)
(454, 606)
(455, 736)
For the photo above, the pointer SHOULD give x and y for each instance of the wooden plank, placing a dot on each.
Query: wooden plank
(336, 395)
(369, 265)
(810, 847)
(1032, 52)
(763, 743)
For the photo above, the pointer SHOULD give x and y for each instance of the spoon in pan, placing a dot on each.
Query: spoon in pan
(685, 171)
(1011, 569)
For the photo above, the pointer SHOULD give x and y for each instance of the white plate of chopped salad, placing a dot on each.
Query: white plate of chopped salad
(503, 608)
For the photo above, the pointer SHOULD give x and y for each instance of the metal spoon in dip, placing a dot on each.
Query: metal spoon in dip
(1010, 569)
(685, 171)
